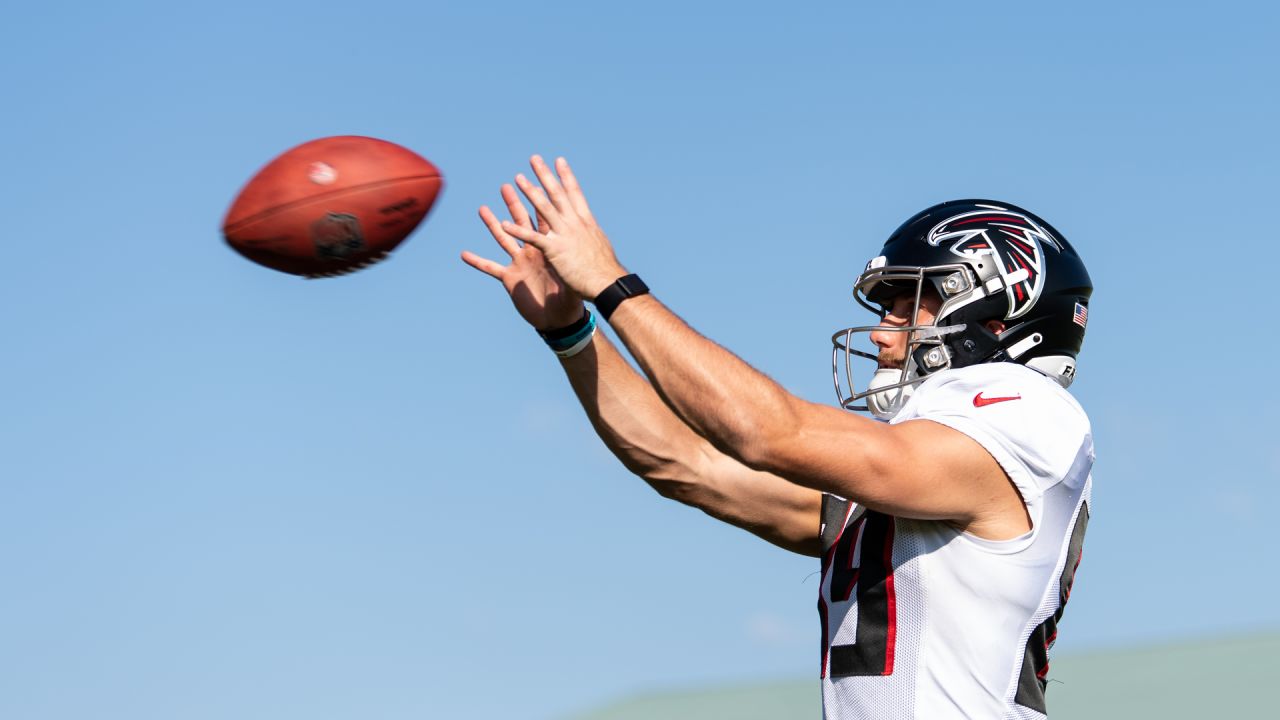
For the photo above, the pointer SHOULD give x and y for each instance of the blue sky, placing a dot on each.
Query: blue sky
(226, 492)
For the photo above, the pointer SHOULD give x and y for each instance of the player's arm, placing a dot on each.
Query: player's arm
(633, 421)
(652, 442)
(918, 469)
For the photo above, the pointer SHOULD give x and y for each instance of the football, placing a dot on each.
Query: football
(331, 206)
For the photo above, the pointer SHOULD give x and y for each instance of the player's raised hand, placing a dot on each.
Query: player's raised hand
(572, 242)
(539, 295)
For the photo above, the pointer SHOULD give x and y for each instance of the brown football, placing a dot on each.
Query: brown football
(331, 206)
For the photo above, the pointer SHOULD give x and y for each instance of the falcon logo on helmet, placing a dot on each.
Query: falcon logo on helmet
(1014, 242)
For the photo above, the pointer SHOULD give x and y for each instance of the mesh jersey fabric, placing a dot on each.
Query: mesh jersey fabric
(923, 620)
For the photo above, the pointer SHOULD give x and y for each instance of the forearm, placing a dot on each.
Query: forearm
(731, 404)
(630, 418)
(654, 443)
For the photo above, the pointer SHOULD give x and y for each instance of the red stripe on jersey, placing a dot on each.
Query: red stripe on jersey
(826, 638)
(893, 601)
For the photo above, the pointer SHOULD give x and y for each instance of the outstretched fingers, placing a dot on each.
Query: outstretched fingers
(484, 265)
(573, 190)
(550, 183)
(541, 204)
(491, 221)
(519, 215)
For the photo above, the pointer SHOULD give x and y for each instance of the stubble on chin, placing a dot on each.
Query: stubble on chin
(891, 360)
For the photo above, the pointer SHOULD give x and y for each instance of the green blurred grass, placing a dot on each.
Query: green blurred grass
(1219, 678)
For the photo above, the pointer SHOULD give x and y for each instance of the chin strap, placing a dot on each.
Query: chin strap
(885, 403)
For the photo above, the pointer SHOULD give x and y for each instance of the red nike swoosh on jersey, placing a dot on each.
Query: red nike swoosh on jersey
(979, 401)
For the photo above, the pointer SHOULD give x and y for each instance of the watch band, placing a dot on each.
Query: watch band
(627, 286)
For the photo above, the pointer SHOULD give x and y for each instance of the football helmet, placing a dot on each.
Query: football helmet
(985, 260)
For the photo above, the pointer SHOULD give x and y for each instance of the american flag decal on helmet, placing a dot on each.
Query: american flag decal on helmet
(1014, 242)
(1081, 316)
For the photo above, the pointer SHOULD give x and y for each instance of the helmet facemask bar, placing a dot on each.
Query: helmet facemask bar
(919, 336)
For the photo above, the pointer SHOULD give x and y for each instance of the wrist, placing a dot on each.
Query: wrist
(572, 339)
(620, 290)
(601, 282)
(561, 319)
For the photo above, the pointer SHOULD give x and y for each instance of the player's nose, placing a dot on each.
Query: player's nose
(883, 338)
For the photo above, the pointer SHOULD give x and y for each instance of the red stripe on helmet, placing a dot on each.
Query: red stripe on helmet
(998, 218)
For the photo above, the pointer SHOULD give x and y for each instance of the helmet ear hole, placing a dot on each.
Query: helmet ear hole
(976, 344)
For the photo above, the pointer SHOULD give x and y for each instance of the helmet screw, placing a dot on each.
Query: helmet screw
(953, 284)
(970, 346)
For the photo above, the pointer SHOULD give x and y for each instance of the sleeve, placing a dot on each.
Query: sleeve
(1025, 421)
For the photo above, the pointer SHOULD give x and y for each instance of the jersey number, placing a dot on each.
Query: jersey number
(872, 651)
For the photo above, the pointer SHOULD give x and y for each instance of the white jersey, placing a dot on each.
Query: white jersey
(923, 620)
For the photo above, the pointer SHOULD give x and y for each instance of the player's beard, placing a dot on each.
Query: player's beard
(891, 359)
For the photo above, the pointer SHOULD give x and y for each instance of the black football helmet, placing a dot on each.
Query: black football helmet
(986, 260)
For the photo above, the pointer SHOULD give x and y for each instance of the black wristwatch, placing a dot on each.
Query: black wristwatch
(627, 286)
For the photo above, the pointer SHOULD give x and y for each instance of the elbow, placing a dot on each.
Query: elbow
(671, 479)
(682, 492)
(688, 481)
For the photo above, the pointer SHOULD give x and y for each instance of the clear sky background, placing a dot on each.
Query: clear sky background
(231, 493)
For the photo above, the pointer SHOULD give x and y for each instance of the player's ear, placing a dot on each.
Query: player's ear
(995, 326)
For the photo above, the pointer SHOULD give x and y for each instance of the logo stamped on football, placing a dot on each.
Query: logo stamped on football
(337, 236)
(322, 173)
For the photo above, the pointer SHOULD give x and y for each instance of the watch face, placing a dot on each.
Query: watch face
(627, 286)
(632, 285)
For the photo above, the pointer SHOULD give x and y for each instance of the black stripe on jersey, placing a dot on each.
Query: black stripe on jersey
(834, 512)
(1035, 661)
